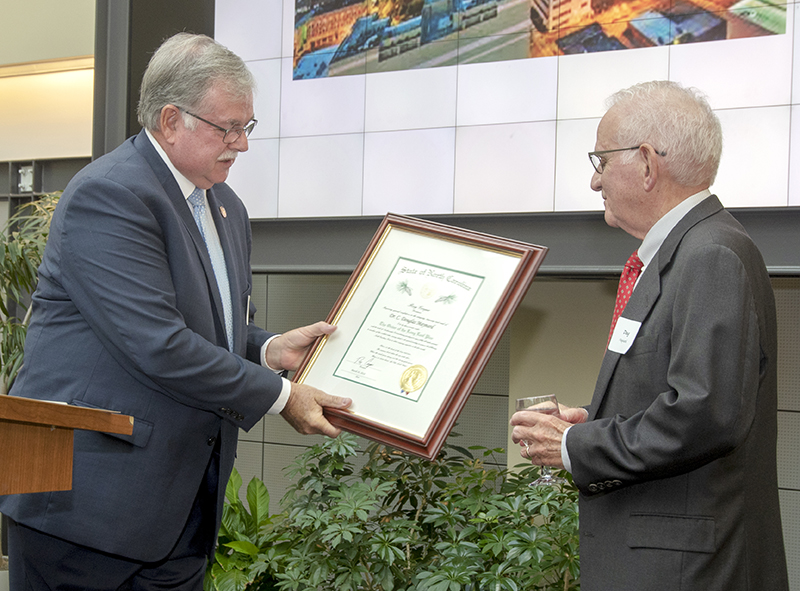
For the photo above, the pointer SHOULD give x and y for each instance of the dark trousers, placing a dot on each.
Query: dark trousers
(41, 562)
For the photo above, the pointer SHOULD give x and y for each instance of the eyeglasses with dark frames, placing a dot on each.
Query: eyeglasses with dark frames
(599, 163)
(232, 134)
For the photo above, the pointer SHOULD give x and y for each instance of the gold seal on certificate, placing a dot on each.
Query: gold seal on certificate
(413, 378)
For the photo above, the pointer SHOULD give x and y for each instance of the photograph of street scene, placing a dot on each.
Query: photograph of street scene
(343, 37)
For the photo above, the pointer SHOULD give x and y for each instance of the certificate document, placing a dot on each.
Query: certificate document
(416, 323)
(409, 327)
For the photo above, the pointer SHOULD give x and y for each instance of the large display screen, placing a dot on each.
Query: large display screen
(490, 106)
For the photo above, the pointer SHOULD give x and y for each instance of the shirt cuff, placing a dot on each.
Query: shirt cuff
(564, 453)
(264, 354)
(286, 387)
(283, 398)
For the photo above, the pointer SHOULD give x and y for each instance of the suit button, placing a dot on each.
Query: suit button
(592, 488)
(211, 441)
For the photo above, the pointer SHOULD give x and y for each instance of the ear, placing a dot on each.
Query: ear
(170, 122)
(651, 163)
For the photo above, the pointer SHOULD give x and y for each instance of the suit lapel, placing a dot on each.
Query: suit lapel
(648, 290)
(183, 209)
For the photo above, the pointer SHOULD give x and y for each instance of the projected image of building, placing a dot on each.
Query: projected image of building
(340, 38)
(685, 23)
(552, 15)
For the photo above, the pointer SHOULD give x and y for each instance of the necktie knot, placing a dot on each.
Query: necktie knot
(634, 263)
(198, 203)
(196, 198)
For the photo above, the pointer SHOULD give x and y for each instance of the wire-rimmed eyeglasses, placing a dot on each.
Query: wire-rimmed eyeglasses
(232, 134)
(599, 163)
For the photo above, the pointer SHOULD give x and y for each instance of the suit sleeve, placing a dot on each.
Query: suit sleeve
(118, 266)
(690, 400)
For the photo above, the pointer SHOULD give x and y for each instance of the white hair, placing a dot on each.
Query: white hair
(678, 122)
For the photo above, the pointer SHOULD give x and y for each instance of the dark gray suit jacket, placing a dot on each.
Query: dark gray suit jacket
(677, 464)
(127, 316)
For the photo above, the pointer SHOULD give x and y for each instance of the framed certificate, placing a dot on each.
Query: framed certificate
(416, 323)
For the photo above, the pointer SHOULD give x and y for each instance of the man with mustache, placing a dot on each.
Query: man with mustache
(143, 307)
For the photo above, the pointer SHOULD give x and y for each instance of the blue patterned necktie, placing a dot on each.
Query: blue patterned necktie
(198, 201)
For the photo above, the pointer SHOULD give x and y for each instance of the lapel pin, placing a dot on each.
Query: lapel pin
(223, 212)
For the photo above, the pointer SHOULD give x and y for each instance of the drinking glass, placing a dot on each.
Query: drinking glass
(546, 404)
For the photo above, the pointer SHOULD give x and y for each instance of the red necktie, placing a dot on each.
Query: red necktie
(626, 282)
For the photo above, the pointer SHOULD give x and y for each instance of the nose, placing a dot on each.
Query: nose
(596, 182)
(241, 144)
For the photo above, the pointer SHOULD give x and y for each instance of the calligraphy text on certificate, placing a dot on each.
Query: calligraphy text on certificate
(408, 328)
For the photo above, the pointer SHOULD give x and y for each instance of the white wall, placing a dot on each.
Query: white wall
(36, 30)
(46, 116)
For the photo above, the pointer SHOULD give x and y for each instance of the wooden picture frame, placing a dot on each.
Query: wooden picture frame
(416, 323)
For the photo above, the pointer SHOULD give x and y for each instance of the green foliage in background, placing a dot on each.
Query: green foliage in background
(23, 240)
(399, 523)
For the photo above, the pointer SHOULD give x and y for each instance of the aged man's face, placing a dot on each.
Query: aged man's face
(621, 183)
(200, 154)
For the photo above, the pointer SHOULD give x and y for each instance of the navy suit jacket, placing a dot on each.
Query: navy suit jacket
(677, 464)
(127, 317)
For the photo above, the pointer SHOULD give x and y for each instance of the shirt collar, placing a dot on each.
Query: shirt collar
(186, 186)
(661, 229)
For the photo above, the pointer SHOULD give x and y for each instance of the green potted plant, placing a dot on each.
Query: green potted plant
(23, 241)
(400, 523)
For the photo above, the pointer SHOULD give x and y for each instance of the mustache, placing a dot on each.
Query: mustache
(228, 155)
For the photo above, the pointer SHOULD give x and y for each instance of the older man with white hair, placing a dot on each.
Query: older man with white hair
(675, 457)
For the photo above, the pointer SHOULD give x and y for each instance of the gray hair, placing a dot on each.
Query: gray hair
(675, 120)
(183, 70)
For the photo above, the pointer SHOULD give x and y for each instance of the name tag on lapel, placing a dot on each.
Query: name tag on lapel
(624, 334)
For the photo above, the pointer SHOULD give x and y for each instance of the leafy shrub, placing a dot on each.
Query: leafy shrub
(22, 244)
(399, 523)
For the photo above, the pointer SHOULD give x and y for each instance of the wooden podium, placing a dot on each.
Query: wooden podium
(36, 441)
